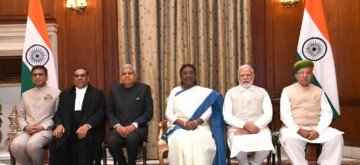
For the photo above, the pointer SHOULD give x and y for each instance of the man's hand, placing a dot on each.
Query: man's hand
(120, 129)
(241, 132)
(128, 129)
(38, 128)
(252, 128)
(30, 129)
(313, 135)
(59, 131)
(81, 131)
(304, 133)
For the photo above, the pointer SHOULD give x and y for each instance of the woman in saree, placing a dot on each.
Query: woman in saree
(191, 139)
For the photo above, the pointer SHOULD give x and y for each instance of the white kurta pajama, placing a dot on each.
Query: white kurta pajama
(290, 139)
(251, 142)
(195, 147)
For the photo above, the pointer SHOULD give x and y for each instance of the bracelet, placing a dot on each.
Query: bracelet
(184, 124)
(196, 123)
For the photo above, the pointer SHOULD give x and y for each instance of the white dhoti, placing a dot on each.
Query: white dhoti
(328, 134)
(331, 140)
(250, 143)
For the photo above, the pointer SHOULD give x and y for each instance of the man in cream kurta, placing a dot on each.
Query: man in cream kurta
(248, 111)
(306, 115)
(37, 108)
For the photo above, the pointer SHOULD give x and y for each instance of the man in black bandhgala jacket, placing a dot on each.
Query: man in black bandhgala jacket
(79, 123)
(129, 109)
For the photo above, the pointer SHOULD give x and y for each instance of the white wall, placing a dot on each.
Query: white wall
(9, 96)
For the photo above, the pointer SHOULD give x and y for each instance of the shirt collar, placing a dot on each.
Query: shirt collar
(251, 88)
(83, 90)
(42, 88)
(302, 88)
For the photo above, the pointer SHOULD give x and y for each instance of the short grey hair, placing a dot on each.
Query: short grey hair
(246, 66)
(129, 66)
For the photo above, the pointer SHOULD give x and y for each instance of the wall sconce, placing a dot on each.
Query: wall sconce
(76, 5)
(289, 3)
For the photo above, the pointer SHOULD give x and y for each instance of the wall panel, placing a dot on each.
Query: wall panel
(81, 42)
(348, 123)
(15, 11)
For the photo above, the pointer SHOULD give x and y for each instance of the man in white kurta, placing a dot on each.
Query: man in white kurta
(37, 107)
(306, 115)
(248, 110)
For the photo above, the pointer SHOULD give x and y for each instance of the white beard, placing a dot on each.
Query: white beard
(246, 85)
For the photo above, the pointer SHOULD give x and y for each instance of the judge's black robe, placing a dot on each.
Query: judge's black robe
(92, 113)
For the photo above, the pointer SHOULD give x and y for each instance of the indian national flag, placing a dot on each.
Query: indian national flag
(314, 44)
(37, 49)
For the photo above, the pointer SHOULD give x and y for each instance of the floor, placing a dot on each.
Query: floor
(5, 160)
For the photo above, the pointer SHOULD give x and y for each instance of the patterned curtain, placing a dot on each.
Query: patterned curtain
(158, 36)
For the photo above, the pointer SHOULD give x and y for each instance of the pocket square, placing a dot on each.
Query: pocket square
(48, 97)
(137, 98)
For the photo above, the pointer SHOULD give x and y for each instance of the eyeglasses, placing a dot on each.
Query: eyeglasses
(127, 73)
(304, 73)
(38, 74)
(245, 75)
(79, 76)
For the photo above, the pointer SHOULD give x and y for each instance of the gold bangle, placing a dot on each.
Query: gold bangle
(196, 123)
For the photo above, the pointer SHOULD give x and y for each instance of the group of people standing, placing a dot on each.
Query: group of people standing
(199, 118)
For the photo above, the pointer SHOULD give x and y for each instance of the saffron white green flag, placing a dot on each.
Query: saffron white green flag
(314, 44)
(37, 49)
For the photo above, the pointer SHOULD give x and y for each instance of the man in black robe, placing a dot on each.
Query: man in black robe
(79, 123)
(129, 109)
